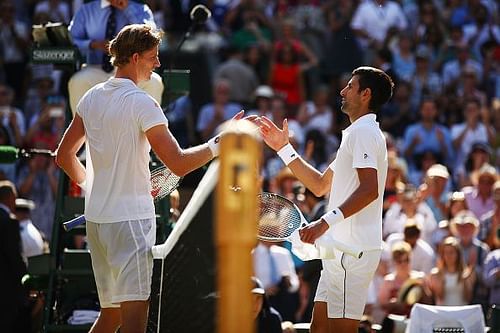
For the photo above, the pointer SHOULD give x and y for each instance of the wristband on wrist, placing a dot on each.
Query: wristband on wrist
(83, 185)
(213, 144)
(287, 154)
(333, 217)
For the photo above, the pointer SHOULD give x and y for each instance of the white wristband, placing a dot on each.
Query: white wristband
(213, 144)
(83, 185)
(287, 154)
(333, 217)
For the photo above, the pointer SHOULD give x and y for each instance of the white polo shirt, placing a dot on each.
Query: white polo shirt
(363, 146)
(116, 114)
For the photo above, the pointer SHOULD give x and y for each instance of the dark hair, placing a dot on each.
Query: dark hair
(380, 84)
(134, 38)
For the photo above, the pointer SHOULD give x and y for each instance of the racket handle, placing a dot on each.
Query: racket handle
(68, 225)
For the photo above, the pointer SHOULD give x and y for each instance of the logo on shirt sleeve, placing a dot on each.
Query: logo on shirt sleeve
(365, 156)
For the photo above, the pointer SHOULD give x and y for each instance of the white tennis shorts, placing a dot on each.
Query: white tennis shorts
(122, 260)
(344, 283)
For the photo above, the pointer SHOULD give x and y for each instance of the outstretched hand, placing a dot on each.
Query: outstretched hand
(273, 136)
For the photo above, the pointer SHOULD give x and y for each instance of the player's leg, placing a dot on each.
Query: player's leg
(319, 321)
(134, 316)
(108, 321)
(343, 325)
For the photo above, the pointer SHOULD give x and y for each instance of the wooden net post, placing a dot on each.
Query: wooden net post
(236, 225)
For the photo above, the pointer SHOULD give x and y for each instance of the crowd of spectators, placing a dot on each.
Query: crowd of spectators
(290, 59)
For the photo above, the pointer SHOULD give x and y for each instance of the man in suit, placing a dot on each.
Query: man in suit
(11, 263)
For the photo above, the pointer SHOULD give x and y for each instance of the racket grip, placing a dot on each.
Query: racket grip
(68, 225)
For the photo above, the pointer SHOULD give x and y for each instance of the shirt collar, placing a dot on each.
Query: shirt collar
(105, 3)
(366, 119)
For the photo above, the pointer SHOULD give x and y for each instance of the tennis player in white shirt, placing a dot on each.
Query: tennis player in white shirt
(121, 123)
(355, 182)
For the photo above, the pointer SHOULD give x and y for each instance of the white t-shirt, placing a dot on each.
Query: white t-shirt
(116, 114)
(363, 146)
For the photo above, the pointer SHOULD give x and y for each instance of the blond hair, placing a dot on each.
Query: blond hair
(133, 38)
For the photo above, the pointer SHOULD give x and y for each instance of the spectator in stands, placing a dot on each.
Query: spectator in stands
(91, 34)
(342, 49)
(57, 10)
(399, 112)
(241, 77)
(221, 109)
(465, 227)
(38, 95)
(14, 43)
(490, 222)
(11, 117)
(403, 57)
(451, 281)
(13, 268)
(427, 136)
(267, 319)
(31, 239)
(425, 81)
(479, 196)
(453, 69)
(273, 265)
(38, 181)
(479, 154)
(262, 103)
(409, 207)
(317, 113)
(396, 180)
(401, 274)
(435, 190)
(422, 254)
(372, 21)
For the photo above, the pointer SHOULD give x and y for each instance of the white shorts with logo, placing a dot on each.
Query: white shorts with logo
(121, 260)
(344, 283)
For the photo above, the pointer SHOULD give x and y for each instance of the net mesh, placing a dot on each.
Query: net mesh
(278, 217)
(183, 286)
(163, 182)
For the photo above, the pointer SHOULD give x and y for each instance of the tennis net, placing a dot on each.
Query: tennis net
(183, 295)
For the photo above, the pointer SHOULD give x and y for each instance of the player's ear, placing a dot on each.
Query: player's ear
(135, 58)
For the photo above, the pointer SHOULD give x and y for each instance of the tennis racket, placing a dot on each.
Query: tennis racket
(280, 220)
(163, 182)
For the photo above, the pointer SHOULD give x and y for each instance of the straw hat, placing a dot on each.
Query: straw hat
(462, 218)
(438, 170)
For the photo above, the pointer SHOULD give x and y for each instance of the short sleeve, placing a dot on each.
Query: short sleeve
(365, 148)
(150, 113)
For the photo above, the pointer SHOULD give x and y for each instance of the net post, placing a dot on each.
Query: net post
(236, 227)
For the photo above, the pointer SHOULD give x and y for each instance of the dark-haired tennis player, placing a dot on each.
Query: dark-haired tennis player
(355, 182)
(120, 124)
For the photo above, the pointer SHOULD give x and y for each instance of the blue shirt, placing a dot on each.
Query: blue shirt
(89, 23)
(428, 142)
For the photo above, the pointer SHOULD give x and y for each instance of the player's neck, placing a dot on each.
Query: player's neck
(126, 73)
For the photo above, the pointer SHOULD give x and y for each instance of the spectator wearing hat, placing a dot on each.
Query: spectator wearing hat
(31, 238)
(422, 254)
(435, 190)
(409, 207)
(267, 319)
(451, 281)
(394, 281)
(262, 101)
(396, 179)
(465, 227)
(479, 154)
(479, 196)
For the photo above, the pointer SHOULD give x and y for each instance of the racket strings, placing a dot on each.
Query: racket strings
(163, 182)
(278, 218)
